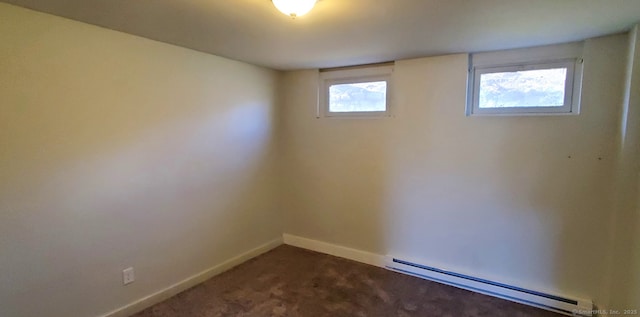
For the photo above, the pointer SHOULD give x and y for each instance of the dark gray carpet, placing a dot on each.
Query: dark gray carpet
(289, 281)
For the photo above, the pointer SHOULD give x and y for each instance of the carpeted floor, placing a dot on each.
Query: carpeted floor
(289, 281)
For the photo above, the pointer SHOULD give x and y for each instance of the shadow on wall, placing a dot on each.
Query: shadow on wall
(625, 258)
(499, 197)
(336, 172)
(558, 196)
(177, 186)
(523, 200)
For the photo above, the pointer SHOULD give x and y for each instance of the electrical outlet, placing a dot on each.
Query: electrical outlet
(128, 276)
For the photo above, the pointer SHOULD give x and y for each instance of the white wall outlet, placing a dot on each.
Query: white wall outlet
(128, 276)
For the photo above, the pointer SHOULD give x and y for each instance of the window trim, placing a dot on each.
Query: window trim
(546, 57)
(355, 75)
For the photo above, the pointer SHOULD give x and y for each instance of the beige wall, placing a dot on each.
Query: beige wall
(625, 258)
(495, 197)
(119, 151)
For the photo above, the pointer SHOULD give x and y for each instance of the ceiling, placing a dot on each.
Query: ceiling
(350, 32)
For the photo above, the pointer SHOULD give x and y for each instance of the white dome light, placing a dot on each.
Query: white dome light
(294, 8)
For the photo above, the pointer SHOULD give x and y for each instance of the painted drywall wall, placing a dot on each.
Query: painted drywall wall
(118, 151)
(519, 199)
(624, 266)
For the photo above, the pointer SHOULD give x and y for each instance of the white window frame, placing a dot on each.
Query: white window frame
(360, 74)
(558, 56)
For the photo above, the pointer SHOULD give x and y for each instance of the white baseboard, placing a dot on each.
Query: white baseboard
(191, 281)
(335, 250)
(383, 261)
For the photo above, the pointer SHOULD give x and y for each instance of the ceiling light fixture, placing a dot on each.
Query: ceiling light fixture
(294, 8)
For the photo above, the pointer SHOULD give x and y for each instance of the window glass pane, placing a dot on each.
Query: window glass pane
(529, 88)
(360, 97)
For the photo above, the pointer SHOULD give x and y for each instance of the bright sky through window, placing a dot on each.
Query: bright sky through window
(358, 97)
(529, 88)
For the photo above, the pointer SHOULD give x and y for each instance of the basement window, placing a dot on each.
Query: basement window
(530, 81)
(361, 91)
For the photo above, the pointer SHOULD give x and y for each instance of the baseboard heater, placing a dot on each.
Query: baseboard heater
(560, 304)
